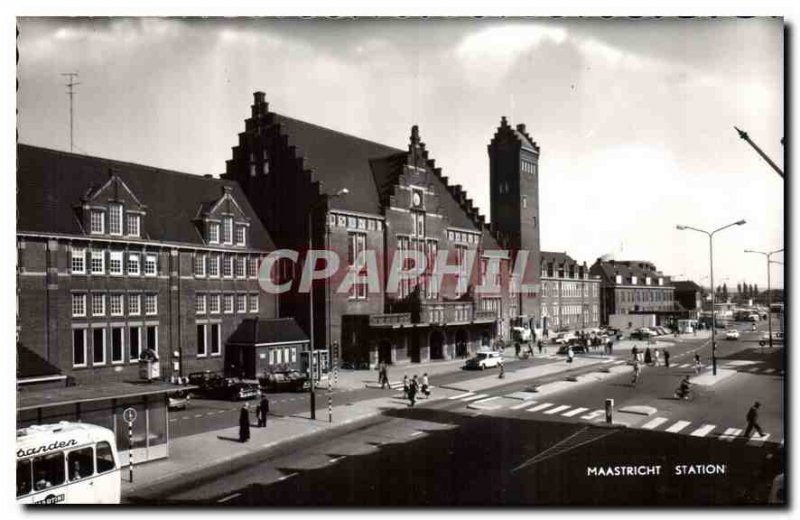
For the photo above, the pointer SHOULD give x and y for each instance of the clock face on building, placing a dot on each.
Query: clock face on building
(416, 199)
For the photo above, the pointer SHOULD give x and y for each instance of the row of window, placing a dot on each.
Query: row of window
(101, 219)
(467, 238)
(633, 280)
(210, 303)
(645, 296)
(99, 339)
(54, 469)
(364, 224)
(115, 263)
(209, 336)
(227, 266)
(226, 233)
(529, 167)
(568, 289)
(579, 274)
(83, 302)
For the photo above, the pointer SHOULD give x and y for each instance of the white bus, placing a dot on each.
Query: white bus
(67, 463)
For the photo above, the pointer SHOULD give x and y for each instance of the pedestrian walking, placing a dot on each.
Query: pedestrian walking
(570, 355)
(657, 357)
(540, 346)
(666, 358)
(426, 389)
(405, 386)
(262, 411)
(635, 353)
(752, 421)
(502, 370)
(244, 424)
(648, 357)
(516, 348)
(383, 378)
(412, 391)
(698, 367)
(637, 370)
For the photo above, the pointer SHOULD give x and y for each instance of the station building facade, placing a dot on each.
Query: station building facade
(570, 295)
(632, 286)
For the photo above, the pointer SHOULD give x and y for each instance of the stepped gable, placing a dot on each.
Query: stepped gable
(520, 134)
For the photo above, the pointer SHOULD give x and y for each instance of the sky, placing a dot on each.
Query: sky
(634, 117)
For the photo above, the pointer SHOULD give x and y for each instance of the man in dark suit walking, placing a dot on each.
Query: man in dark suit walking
(263, 410)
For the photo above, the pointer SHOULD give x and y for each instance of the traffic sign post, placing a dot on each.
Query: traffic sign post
(129, 415)
(609, 411)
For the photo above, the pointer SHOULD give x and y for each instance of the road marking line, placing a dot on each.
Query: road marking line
(523, 405)
(703, 430)
(474, 397)
(769, 370)
(334, 460)
(678, 426)
(187, 417)
(685, 365)
(539, 407)
(757, 441)
(487, 400)
(655, 423)
(197, 416)
(173, 420)
(417, 433)
(574, 412)
(287, 476)
(730, 434)
(210, 413)
(228, 497)
(593, 415)
(754, 369)
(620, 362)
(459, 396)
(558, 409)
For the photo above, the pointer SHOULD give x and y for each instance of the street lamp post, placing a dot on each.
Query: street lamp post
(312, 394)
(713, 297)
(769, 288)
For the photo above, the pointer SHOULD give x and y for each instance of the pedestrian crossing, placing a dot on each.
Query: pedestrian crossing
(582, 413)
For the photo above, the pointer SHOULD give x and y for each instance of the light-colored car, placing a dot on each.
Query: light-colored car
(731, 334)
(562, 338)
(777, 337)
(485, 359)
(178, 400)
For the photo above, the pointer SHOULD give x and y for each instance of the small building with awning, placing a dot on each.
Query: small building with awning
(261, 345)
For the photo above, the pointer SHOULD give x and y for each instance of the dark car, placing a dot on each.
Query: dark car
(287, 381)
(576, 349)
(213, 386)
(202, 380)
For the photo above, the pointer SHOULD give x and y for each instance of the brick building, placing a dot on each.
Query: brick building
(689, 298)
(399, 201)
(115, 258)
(570, 296)
(632, 286)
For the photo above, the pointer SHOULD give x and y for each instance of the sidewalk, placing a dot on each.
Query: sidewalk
(201, 451)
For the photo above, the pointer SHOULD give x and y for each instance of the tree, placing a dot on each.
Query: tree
(754, 290)
(739, 290)
(725, 291)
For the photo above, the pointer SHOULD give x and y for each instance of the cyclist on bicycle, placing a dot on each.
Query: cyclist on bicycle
(637, 370)
(684, 389)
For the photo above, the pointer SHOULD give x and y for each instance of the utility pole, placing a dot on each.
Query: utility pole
(71, 93)
(746, 137)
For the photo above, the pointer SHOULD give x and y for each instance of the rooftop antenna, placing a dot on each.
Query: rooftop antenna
(71, 93)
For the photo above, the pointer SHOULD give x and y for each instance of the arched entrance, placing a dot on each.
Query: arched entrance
(437, 344)
(461, 343)
(385, 351)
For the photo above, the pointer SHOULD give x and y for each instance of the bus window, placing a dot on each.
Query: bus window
(23, 477)
(80, 463)
(48, 471)
(105, 457)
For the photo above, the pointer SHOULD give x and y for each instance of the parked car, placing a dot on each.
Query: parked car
(202, 380)
(178, 400)
(642, 333)
(777, 337)
(213, 386)
(562, 338)
(286, 381)
(484, 359)
(731, 334)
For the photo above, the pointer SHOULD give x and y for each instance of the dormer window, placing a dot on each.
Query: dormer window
(618, 278)
(660, 281)
(134, 225)
(97, 222)
(241, 235)
(647, 281)
(633, 280)
(213, 232)
(227, 230)
(115, 219)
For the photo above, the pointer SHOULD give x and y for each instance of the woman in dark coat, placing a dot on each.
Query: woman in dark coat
(244, 424)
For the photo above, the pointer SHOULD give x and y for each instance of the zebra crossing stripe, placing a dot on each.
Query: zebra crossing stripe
(755, 369)
(678, 426)
(769, 370)
(523, 405)
(539, 407)
(620, 362)
(574, 412)
(758, 441)
(703, 430)
(460, 396)
(685, 365)
(730, 434)
(557, 409)
(593, 415)
(655, 423)
(474, 397)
